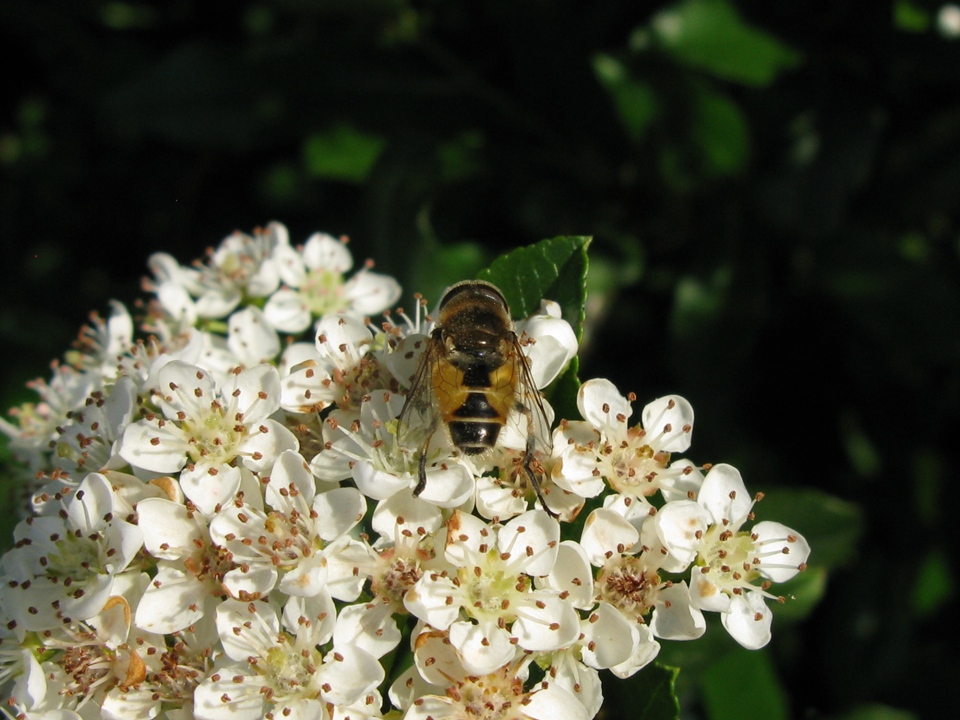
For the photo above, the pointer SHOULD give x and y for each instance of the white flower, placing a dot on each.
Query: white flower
(635, 461)
(315, 286)
(242, 265)
(553, 343)
(274, 666)
(630, 577)
(298, 540)
(341, 369)
(64, 566)
(491, 603)
(445, 687)
(190, 568)
(729, 561)
(204, 433)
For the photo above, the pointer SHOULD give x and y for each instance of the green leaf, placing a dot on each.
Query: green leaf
(636, 101)
(554, 269)
(803, 593)
(934, 585)
(711, 36)
(720, 130)
(910, 17)
(832, 526)
(742, 685)
(648, 695)
(877, 712)
(342, 153)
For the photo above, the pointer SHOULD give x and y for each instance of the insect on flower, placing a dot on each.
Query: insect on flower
(474, 379)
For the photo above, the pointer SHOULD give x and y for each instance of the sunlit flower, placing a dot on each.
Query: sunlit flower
(205, 434)
(273, 665)
(633, 460)
(734, 567)
(63, 567)
(491, 604)
(314, 284)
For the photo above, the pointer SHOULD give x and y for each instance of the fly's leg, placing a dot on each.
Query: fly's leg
(527, 461)
(422, 475)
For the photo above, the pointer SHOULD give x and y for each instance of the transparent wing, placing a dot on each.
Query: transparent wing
(419, 417)
(533, 417)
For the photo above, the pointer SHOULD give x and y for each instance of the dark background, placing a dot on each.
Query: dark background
(773, 190)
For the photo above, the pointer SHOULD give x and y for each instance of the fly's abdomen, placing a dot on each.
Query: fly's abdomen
(475, 425)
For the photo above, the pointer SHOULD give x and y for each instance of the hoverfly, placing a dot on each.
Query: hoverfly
(474, 378)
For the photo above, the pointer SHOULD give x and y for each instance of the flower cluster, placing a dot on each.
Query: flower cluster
(224, 523)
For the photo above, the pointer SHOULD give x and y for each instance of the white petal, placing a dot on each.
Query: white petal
(682, 482)
(403, 511)
(555, 345)
(370, 293)
(645, 651)
(350, 672)
(430, 707)
(495, 500)
(324, 252)
(428, 600)
(783, 550)
(608, 637)
(172, 529)
(252, 337)
(678, 525)
(607, 532)
(670, 419)
(129, 704)
(370, 627)
(580, 680)
(482, 650)
(674, 618)
(290, 475)
(345, 558)
(254, 393)
(92, 501)
(571, 574)
(342, 339)
(153, 447)
(317, 611)
(245, 633)
(602, 405)
(307, 579)
(374, 483)
(246, 700)
(218, 303)
(449, 487)
(209, 490)
(263, 446)
(287, 311)
(436, 659)
(340, 509)
(173, 601)
(290, 265)
(707, 595)
(748, 620)
(265, 280)
(555, 703)
(532, 540)
(576, 470)
(254, 580)
(724, 495)
(550, 624)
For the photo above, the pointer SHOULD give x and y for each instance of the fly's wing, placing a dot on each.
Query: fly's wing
(535, 416)
(418, 418)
